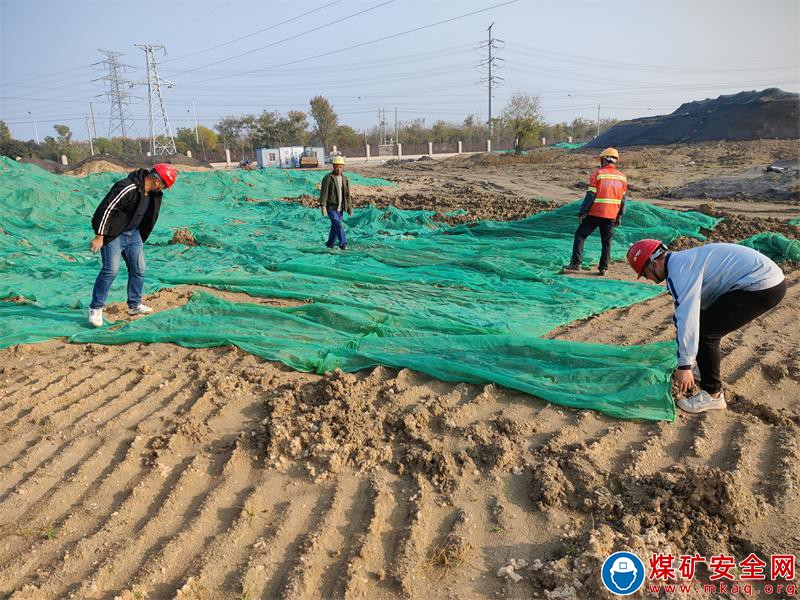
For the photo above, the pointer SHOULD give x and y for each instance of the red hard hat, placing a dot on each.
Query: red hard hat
(640, 253)
(167, 173)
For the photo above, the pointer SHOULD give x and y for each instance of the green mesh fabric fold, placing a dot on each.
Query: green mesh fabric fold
(778, 247)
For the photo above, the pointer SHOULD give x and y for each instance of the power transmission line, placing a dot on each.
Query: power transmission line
(281, 41)
(358, 45)
(161, 140)
(238, 39)
(119, 118)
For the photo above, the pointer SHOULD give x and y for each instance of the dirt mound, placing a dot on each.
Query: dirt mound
(48, 165)
(735, 228)
(755, 184)
(751, 115)
(89, 167)
(123, 164)
(342, 421)
(185, 237)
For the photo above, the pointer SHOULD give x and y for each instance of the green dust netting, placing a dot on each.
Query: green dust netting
(568, 145)
(794, 221)
(778, 247)
(464, 303)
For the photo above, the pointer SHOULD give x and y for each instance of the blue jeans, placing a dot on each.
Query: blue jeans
(337, 230)
(129, 245)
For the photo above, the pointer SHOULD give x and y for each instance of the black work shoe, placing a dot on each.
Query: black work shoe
(601, 272)
(573, 267)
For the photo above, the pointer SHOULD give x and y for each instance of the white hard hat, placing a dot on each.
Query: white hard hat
(623, 565)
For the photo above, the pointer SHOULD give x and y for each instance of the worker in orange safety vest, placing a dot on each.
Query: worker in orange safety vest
(603, 207)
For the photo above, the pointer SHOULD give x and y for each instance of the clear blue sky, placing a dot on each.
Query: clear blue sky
(634, 58)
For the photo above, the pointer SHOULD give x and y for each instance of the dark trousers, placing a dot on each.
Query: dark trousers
(337, 234)
(585, 229)
(730, 312)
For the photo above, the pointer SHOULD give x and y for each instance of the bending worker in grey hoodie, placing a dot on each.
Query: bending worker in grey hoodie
(717, 288)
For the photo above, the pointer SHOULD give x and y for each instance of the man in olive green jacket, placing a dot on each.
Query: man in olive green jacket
(334, 199)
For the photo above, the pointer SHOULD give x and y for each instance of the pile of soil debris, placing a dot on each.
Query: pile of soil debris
(454, 203)
(340, 421)
(780, 182)
(735, 228)
(185, 237)
(768, 114)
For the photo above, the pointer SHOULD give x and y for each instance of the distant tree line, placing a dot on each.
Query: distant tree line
(520, 125)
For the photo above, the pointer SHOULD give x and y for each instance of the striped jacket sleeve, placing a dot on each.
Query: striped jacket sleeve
(121, 193)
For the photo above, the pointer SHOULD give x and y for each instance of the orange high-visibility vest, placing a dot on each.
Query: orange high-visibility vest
(609, 186)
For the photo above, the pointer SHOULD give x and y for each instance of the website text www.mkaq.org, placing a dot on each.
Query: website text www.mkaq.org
(745, 589)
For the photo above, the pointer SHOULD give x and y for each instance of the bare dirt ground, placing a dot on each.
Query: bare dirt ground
(155, 471)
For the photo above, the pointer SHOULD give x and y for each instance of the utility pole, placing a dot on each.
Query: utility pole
(598, 120)
(94, 125)
(491, 46)
(161, 139)
(35, 128)
(196, 135)
(119, 119)
(89, 129)
(492, 80)
(396, 130)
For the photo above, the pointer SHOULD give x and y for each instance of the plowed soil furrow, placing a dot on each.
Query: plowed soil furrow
(272, 543)
(615, 326)
(323, 546)
(41, 438)
(30, 383)
(155, 530)
(223, 561)
(89, 392)
(51, 407)
(26, 484)
(343, 540)
(703, 436)
(739, 357)
(112, 536)
(140, 404)
(75, 486)
(290, 561)
(367, 564)
(98, 502)
(164, 570)
(414, 538)
(780, 459)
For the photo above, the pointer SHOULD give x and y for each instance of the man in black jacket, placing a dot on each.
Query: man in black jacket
(122, 223)
(334, 199)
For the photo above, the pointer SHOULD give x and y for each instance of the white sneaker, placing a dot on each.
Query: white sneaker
(96, 317)
(702, 401)
(139, 310)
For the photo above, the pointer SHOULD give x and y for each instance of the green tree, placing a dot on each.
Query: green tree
(5, 133)
(325, 120)
(64, 135)
(233, 130)
(522, 118)
(347, 137)
(185, 139)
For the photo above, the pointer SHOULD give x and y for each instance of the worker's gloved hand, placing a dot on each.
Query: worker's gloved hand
(683, 379)
(350, 211)
(324, 211)
(617, 222)
(581, 217)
